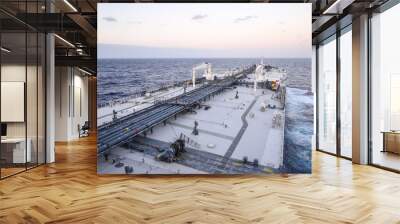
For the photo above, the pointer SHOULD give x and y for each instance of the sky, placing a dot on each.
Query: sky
(195, 30)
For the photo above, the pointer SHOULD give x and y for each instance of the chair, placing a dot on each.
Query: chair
(84, 130)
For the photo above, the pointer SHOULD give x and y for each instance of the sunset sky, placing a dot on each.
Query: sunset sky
(152, 30)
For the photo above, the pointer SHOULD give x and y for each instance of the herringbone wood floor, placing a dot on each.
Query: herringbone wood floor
(70, 191)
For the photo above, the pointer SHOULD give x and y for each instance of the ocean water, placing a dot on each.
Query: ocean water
(119, 78)
(299, 128)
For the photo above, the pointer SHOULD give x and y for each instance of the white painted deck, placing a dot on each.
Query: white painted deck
(220, 125)
(261, 141)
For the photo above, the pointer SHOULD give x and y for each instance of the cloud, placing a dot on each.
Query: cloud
(110, 19)
(242, 19)
(134, 22)
(199, 16)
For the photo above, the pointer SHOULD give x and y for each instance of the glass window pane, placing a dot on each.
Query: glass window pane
(346, 94)
(23, 90)
(13, 86)
(385, 86)
(31, 97)
(327, 96)
(41, 98)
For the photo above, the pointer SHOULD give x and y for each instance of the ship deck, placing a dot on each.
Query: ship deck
(123, 129)
(136, 104)
(229, 130)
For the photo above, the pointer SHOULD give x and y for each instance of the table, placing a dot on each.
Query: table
(13, 150)
(391, 141)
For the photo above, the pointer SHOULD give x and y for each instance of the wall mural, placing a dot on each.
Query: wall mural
(204, 88)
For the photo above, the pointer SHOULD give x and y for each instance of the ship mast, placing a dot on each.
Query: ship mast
(258, 73)
(207, 72)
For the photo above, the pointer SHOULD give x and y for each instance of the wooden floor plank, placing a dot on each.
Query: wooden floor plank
(70, 191)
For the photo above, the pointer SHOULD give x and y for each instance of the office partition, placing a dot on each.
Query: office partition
(22, 77)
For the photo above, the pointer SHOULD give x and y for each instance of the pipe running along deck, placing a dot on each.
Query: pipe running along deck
(126, 128)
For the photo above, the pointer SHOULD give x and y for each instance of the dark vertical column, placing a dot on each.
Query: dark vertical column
(26, 86)
(317, 96)
(37, 91)
(0, 95)
(369, 62)
(73, 91)
(92, 102)
(45, 94)
(338, 74)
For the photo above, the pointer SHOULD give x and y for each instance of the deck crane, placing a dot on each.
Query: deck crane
(207, 72)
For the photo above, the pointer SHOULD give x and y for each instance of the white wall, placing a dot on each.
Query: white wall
(71, 102)
(80, 110)
(14, 72)
(62, 82)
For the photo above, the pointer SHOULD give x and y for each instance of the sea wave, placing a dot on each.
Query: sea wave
(121, 77)
(299, 126)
